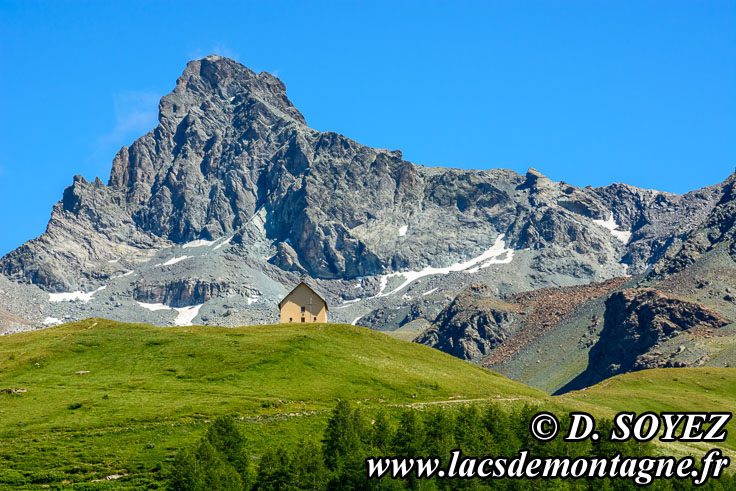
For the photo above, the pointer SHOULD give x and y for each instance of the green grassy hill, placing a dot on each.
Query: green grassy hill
(108, 398)
(95, 398)
(664, 389)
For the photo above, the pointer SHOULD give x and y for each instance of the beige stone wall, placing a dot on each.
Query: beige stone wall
(315, 309)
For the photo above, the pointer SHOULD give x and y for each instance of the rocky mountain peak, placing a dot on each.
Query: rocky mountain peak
(214, 99)
(533, 173)
(233, 82)
(536, 181)
(196, 175)
(217, 71)
(729, 188)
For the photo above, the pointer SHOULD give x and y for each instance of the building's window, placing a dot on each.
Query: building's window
(303, 309)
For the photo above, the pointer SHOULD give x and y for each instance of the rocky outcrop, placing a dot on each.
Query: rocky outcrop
(478, 325)
(186, 292)
(718, 228)
(637, 321)
(545, 309)
(658, 221)
(472, 325)
(22, 307)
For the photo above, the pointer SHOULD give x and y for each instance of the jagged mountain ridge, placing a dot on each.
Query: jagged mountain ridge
(233, 189)
(229, 142)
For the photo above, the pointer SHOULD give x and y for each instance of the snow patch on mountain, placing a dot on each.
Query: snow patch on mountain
(610, 224)
(382, 285)
(348, 303)
(153, 307)
(186, 315)
(496, 254)
(74, 296)
(223, 243)
(198, 243)
(174, 260)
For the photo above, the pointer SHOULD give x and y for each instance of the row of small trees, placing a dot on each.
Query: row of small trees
(223, 461)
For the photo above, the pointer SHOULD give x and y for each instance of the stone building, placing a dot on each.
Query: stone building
(303, 304)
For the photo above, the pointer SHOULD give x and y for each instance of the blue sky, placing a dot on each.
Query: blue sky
(590, 92)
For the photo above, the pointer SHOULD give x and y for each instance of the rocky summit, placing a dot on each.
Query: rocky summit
(212, 216)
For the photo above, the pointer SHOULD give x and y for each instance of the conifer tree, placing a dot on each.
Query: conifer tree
(497, 424)
(381, 434)
(409, 438)
(342, 437)
(469, 430)
(203, 470)
(307, 468)
(440, 441)
(227, 439)
(273, 470)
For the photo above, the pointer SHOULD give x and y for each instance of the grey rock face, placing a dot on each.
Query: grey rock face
(637, 324)
(471, 325)
(189, 291)
(22, 307)
(88, 227)
(717, 228)
(659, 221)
(392, 317)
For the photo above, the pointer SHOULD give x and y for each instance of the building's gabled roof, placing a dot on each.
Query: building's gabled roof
(327, 307)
